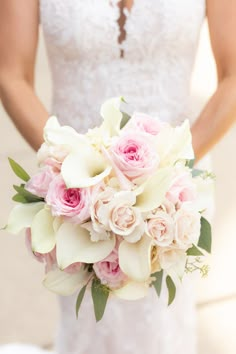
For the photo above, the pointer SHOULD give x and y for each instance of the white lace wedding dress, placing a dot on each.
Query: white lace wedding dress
(151, 68)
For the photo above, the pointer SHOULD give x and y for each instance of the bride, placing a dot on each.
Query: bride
(143, 50)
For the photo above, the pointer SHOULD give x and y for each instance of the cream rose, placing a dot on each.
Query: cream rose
(161, 228)
(187, 227)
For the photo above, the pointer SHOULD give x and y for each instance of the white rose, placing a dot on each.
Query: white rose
(125, 219)
(173, 261)
(187, 227)
(161, 228)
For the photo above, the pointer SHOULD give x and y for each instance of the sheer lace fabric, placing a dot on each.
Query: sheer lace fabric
(154, 76)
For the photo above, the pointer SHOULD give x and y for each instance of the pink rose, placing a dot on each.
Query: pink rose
(134, 155)
(144, 123)
(182, 189)
(39, 183)
(72, 203)
(109, 272)
(48, 258)
(161, 228)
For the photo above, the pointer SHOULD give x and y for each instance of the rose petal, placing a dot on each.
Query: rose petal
(132, 291)
(84, 169)
(74, 245)
(153, 192)
(22, 216)
(64, 283)
(42, 232)
(135, 259)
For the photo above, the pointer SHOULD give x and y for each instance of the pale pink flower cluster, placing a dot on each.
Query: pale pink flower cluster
(125, 196)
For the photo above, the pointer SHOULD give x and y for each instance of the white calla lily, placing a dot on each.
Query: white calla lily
(63, 283)
(132, 291)
(74, 245)
(152, 193)
(42, 232)
(84, 168)
(175, 143)
(135, 259)
(112, 116)
(22, 215)
(55, 134)
(205, 193)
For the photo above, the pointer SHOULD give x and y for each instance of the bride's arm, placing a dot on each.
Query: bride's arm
(19, 21)
(220, 112)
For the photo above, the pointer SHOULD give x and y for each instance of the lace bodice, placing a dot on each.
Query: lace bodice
(84, 53)
(154, 76)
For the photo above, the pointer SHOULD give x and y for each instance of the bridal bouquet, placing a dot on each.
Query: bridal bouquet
(116, 210)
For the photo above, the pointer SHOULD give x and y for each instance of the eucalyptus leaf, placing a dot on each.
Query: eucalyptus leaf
(194, 251)
(29, 197)
(190, 163)
(80, 299)
(18, 170)
(196, 172)
(205, 238)
(158, 282)
(125, 118)
(19, 198)
(171, 289)
(100, 294)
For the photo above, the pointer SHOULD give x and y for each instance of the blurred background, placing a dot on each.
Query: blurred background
(29, 313)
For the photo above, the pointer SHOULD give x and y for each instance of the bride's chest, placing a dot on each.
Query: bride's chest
(90, 28)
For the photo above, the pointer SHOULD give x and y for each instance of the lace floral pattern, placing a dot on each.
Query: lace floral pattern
(153, 76)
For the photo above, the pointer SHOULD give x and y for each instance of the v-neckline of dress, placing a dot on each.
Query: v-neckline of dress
(124, 15)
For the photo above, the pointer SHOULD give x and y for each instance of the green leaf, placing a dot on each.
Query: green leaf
(171, 289)
(196, 172)
(19, 198)
(125, 118)
(18, 170)
(100, 295)
(29, 197)
(194, 251)
(205, 238)
(80, 299)
(158, 282)
(190, 163)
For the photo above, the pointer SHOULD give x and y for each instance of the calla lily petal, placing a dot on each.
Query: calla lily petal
(55, 134)
(132, 291)
(42, 232)
(22, 216)
(112, 116)
(74, 245)
(63, 283)
(152, 193)
(84, 169)
(135, 259)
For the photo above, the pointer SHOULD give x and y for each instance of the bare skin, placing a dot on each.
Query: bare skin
(19, 22)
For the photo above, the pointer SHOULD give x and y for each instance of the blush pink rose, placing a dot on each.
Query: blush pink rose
(144, 123)
(182, 189)
(134, 155)
(48, 258)
(109, 272)
(161, 228)
(72, 203)
(39, 183)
